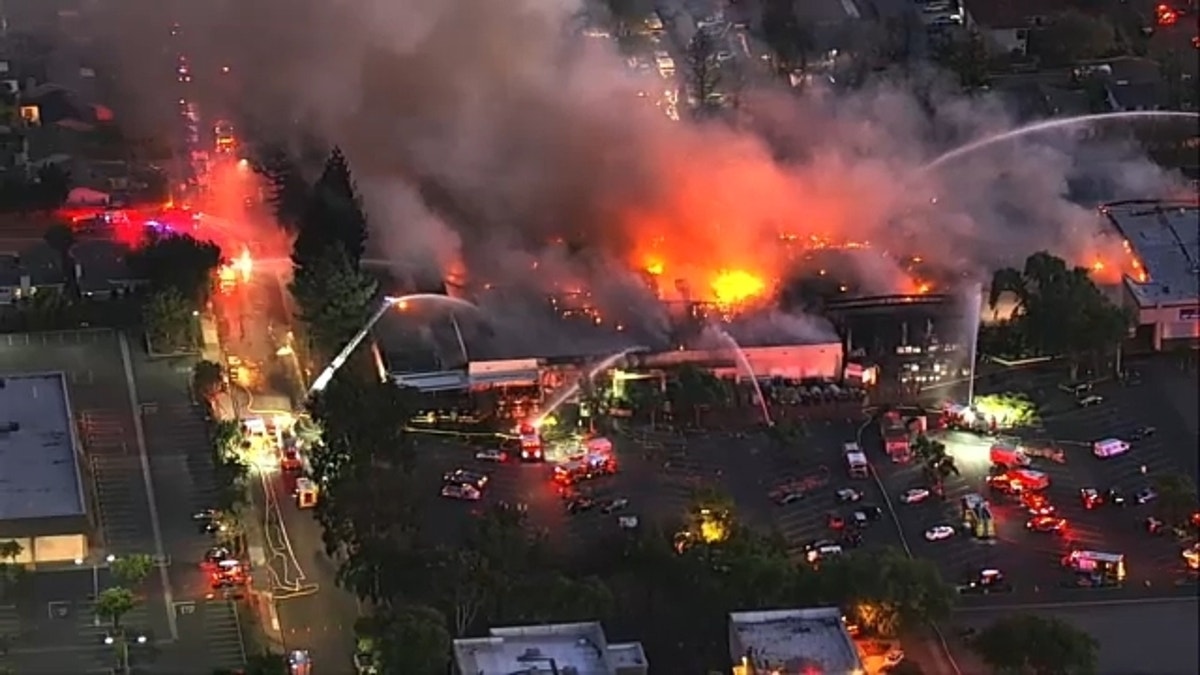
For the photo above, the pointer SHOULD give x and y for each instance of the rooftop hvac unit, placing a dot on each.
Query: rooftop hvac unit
(10, 86)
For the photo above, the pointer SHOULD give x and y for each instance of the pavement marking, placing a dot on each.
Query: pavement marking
(1072, 605)
(144, 456)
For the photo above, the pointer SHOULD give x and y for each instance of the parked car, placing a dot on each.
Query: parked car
(848, 495)
(492, 455)
(915, 495)
(939, 532)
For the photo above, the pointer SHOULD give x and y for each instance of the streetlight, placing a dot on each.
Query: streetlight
(400, 302)
(108, 559)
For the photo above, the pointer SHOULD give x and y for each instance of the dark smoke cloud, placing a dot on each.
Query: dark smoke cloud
(486, 136)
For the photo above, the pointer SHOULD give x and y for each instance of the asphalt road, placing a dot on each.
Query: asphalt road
(1135, 637)
(1031, 559)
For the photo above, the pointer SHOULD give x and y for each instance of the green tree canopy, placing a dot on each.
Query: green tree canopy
(114, 603)
(407, 640)
(1074, 36)
(334, 298)
(178, 262)
(170, 322)
(333, 216)
(1059, 310)
(1028, 643)
(207, 378)
(131, 570)
(1177, 499)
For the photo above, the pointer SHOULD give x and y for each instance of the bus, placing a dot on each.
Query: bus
(977, 516)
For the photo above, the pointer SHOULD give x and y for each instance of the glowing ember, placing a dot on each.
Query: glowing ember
(731, 287)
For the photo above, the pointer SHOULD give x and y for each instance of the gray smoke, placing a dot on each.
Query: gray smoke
(488, 137)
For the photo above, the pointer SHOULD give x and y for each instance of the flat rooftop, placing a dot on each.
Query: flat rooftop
(794, 640)
(39, 474)
(1165, 236)
(580, 648)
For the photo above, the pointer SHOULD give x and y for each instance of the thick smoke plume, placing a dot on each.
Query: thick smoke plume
(493, 142)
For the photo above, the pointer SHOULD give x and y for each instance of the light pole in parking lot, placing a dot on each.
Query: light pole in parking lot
(108, 560)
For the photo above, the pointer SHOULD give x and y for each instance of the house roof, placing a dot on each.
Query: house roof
(1012, 13)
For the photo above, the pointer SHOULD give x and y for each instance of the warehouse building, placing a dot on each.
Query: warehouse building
(42, 503)
(813, 640)
(1165, 297)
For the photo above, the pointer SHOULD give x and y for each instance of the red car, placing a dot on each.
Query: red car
(835, 522)
(1046, 524)
(1091, 498)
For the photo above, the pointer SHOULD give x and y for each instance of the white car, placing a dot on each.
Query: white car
(1089, 401)
(939, 532)
(492, 455)
(463, 492)
(848, 495)
(915, 496)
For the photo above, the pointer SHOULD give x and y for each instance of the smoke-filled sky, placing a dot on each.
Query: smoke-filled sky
(486, 131)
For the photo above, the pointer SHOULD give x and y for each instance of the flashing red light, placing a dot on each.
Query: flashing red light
(1166, 15)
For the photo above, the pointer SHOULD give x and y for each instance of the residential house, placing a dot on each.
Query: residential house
(101, 265)
(1005, 24)
(24, 273)
(1130, 83)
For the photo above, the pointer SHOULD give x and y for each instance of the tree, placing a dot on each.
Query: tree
(11, 573)
(692, 390)
(704, 73)
(967, 59)
(47, 309)
(790, 41)
(179, 262)
(207, 378)
(132, 570)
(289, 191)
(887, 592)
(114, 603)
(61, 239)
(334, 298)
(409, 640)
(937, 463)
(1074, 36)
(1044, 645)
(51, 187)
(230, 466)
(1180, 96)
(333, 217)
(1177, 499)
(170, 322)
(1059, 310)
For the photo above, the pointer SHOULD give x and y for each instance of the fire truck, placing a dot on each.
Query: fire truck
(531, 443)
(1017, 481)
(585, 467)
(896, 439)
(1095, 567)
(306, 493)
(289, 454)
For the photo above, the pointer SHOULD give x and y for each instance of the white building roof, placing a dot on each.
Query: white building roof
(793, 640)
(39, 475)
(1165, 236)
(569, 648)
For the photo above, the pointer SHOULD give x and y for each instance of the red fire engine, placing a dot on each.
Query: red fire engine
(531, 443)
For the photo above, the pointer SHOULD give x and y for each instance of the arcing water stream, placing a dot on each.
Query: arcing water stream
(744, 363)
(1049, 125)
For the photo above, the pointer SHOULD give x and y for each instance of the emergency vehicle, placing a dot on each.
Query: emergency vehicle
(226, 143)
(856, 461)
(896, 439)
(1104, 569)
(1109, 447)
(531, 443)
(289, 454)
(1016, 481)
(306, 493)
(585, 467)
(977, 516)
(1008, 454)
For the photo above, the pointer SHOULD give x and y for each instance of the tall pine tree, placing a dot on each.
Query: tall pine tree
(334, 215)
(289, 190)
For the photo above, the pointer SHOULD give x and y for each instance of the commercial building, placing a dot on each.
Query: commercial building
(562, 649)
(1165, 239)
(792, 641)
(42, 503)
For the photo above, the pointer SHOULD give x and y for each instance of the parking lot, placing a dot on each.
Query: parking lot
(97, 375)
(1031, 559)
(659, 472)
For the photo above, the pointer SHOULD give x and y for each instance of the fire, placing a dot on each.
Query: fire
(732, 287)
(244, 264)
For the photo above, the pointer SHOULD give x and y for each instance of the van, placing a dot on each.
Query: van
(1109, 447)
